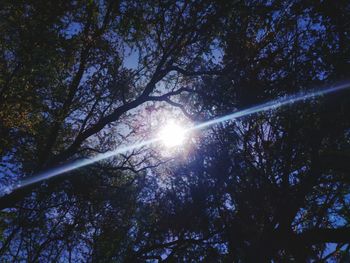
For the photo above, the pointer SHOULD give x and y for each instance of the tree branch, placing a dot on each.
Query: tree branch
(195, 73)
(325, 235)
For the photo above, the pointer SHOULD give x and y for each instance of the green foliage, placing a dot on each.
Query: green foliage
(78, 78)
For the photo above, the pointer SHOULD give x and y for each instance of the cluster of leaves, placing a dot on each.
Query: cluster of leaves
(76, 78)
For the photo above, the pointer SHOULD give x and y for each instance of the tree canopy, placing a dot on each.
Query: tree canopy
(80, 78)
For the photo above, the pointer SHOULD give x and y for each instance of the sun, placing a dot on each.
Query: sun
(172, 135)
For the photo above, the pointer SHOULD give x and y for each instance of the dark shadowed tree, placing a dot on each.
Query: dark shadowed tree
(79, 78)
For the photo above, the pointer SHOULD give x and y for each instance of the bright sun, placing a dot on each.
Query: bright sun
(172, 134)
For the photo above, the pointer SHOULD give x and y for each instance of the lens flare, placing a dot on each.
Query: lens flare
(272, 105)
(80, 163)
(174, 135)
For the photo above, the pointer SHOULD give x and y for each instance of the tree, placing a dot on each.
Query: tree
(79, 78)
(68, 61)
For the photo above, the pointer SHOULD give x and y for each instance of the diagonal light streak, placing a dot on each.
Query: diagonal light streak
(80, 163)
(271, 105)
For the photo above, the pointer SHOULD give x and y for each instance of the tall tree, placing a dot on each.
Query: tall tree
(79, 78)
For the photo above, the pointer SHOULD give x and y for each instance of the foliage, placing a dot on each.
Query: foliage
(82, 77)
